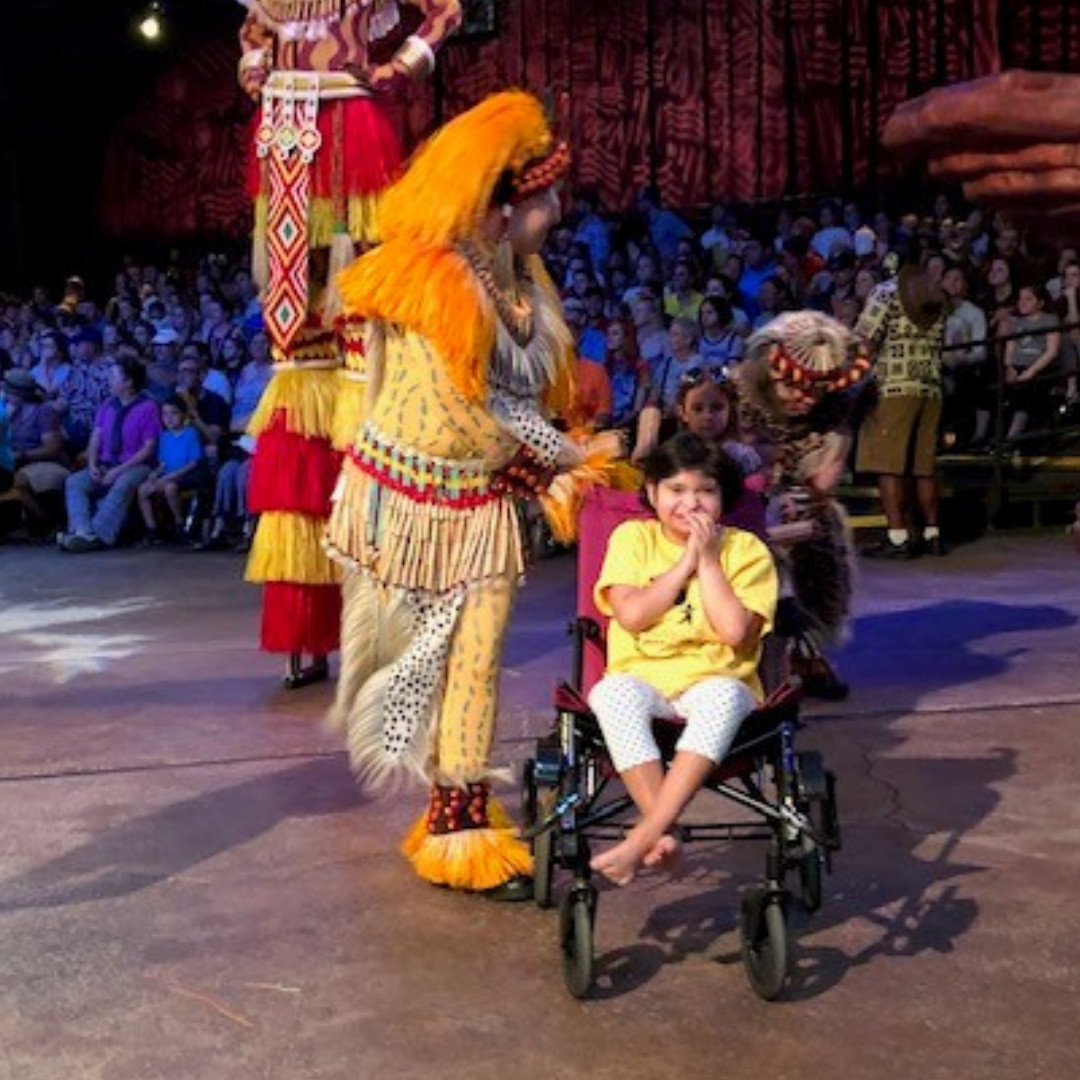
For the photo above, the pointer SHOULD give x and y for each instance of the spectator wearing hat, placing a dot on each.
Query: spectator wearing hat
(122, 448)
(162, 371)
(74, 294)
(590, 343)
(86, 388)
(37, 446)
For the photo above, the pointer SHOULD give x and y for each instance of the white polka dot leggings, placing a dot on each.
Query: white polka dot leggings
(625, 707)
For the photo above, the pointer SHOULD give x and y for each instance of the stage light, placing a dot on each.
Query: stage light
(151, 24)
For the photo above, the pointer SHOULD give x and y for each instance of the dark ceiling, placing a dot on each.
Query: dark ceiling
(68, 70)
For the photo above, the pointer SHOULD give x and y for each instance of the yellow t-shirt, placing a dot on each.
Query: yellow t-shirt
(682, 648)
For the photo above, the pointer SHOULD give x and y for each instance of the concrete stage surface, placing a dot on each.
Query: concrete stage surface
(192, 888)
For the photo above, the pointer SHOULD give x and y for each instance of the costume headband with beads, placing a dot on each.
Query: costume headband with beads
(791, 370)
(541, 173)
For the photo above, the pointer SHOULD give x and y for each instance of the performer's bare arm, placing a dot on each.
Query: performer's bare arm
(414, 60)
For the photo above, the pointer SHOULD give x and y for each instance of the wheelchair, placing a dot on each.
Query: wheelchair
(568, 802)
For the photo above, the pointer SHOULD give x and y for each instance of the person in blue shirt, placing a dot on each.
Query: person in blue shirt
(666, 228)
(179, 472)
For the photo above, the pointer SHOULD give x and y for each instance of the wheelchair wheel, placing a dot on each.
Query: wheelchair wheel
(528, 793)
(765, 943)
(576, 918)
(543, 851)
(811, 859)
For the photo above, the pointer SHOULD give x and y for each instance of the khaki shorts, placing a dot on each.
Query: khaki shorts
(900, 437)
(43, 476)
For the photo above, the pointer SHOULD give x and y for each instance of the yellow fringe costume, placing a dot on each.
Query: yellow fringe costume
(422, 519)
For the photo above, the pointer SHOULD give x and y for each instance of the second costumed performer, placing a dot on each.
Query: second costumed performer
(324, 148)
(467, 356)
(795, 385)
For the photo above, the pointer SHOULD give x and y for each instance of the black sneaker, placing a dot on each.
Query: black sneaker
(888, 550)
(934, 546)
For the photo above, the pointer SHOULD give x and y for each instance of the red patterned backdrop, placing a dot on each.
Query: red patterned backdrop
(737, 100)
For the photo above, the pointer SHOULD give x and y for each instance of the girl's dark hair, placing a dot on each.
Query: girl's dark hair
(687, 452)
(175, 401)
(721, 305)
(1036, 290)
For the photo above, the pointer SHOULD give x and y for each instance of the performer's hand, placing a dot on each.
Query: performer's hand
(1013, 140)
(252, 81)
(385, 79)
(571, 455)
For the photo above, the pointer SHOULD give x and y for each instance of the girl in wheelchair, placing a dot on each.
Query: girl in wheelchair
(689, 603)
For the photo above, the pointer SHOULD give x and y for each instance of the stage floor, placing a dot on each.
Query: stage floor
(192, 887)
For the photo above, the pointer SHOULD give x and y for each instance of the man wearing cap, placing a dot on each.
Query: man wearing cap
(119, 456)
(37, 445)
(162, 371)
(86, 389)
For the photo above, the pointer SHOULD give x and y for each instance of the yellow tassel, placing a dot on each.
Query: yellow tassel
(349, 412)
(288, 547)
(260, 258)
(363, 215)
(473, 859)
(307, 398)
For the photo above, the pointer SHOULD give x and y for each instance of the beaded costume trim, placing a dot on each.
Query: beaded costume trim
(420, 477)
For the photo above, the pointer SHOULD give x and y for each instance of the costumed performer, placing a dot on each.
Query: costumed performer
(467, 357)
(323, 150)
(794, 384)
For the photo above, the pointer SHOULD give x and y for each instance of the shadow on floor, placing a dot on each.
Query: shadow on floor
(930, 648)
(898, 888)
(144, 851)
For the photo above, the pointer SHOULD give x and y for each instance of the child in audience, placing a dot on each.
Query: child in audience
(708, 408)
(179, 471)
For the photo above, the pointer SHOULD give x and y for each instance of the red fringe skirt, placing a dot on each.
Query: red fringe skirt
(360, 152)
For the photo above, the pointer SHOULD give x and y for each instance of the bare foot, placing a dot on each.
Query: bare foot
(620, 863)
(665, 853)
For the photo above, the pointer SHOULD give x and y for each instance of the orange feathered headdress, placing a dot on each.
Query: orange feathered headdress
(451, 182)
(416, 278)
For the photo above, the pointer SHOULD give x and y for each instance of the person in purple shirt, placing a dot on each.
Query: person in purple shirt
(119, 457)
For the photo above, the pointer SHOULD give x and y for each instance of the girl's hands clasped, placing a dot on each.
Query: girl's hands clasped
(704, 538)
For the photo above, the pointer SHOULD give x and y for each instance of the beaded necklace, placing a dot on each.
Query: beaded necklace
(515, 314)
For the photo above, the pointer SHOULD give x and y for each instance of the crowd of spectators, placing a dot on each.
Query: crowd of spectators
(126, 418)
(141, 400)
(651, 296)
